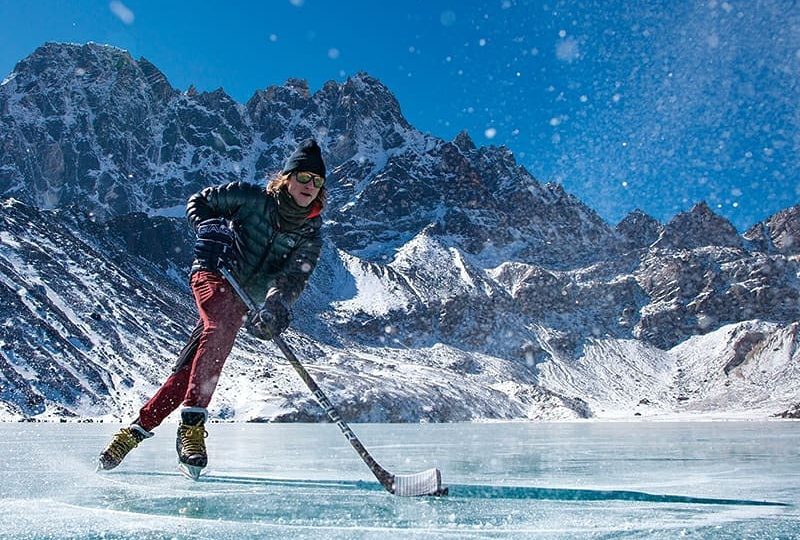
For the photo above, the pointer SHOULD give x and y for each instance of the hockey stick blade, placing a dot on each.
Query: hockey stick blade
(425, 483)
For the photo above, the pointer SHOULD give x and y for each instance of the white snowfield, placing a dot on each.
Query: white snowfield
(619, 378)
(111, 336)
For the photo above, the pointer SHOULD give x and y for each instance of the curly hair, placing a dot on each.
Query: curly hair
(281, 180)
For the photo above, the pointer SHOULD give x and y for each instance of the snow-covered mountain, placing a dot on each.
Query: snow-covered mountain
(453, 285)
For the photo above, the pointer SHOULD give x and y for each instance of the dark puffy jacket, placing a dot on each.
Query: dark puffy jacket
(266, 256)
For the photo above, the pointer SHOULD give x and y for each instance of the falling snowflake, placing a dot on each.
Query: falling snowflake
(447, 18)
(567, 50)
(122, 12)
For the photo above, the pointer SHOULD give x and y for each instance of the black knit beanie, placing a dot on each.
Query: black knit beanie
(307, 157)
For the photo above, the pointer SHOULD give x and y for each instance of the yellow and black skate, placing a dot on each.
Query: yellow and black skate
(190, 442)
(125, 440)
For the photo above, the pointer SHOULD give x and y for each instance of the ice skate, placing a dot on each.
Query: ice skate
(125, 440)
(190, 442)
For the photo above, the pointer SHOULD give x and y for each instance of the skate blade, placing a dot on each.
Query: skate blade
(98, 468)
(192, 472)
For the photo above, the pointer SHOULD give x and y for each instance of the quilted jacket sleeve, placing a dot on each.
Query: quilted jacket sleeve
(218, 202)
(300, 263)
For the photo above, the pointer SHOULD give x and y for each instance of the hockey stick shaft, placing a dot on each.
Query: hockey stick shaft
(383, 476)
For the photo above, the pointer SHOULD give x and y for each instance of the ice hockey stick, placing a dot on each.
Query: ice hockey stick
(427, 482)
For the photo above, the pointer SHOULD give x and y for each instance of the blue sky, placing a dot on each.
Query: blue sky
(651, 105)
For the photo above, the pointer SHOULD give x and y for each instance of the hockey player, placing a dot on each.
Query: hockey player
(270, 241)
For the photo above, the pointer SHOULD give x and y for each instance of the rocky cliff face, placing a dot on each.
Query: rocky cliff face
(698, 228)
(778, 234)
(638, 230)
(450, 274)
(90, 125)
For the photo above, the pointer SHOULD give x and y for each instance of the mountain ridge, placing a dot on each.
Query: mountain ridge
(453, 284)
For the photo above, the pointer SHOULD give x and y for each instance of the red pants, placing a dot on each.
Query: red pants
(196, 374)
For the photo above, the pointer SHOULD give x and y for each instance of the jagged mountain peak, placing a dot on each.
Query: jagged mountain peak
(702, 209)
(639, 229)
(218, 93)
(779, 233)
(699, 227)
(215, 99)
(292, 86)
(293, 93)
(356, 89)
(367, 97)
(148, 154)
(298, 85)
(59, 51)
(89, 63)
(637, 215)
(464, 142)
(90, 112)
(358, 119)
(364, 82)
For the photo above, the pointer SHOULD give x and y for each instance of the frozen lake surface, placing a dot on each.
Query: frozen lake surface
(520, 480)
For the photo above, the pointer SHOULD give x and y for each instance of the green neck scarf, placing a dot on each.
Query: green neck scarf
(290, 214)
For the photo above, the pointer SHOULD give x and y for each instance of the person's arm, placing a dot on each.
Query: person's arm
(218, 202)
(300, 263)
(209, 212)
(275, 314)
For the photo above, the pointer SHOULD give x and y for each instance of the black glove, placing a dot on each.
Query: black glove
(270, 319)
(214, 245)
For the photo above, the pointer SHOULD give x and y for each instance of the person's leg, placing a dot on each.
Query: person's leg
(170, 395)
(222, 313)
(200, 363)
(152, 413)
(196, 372)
